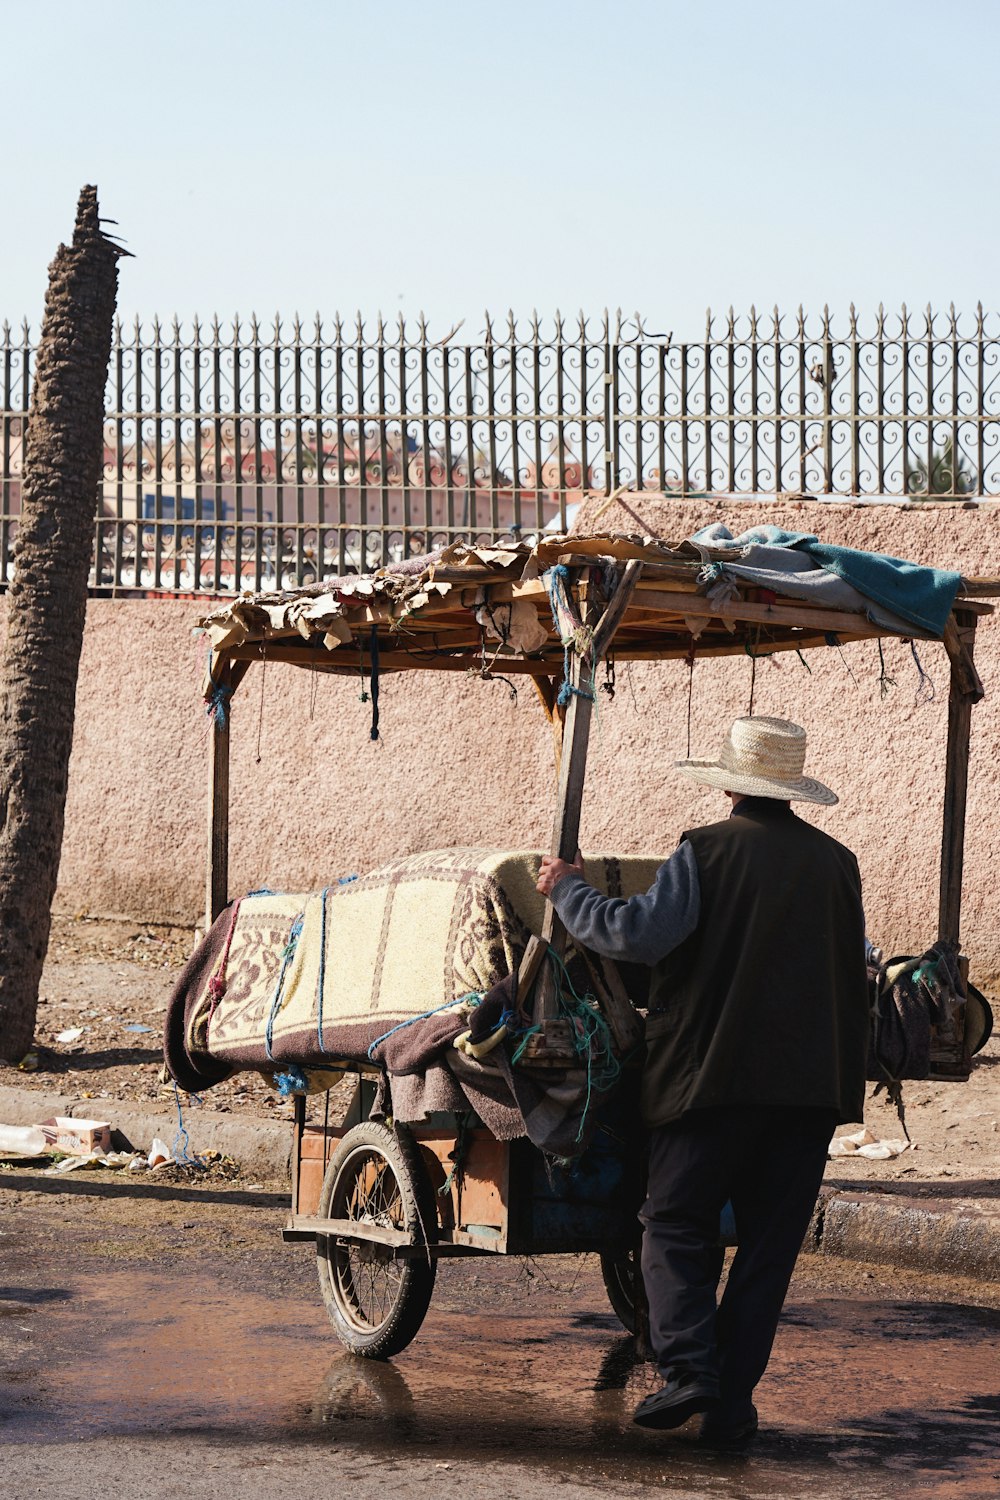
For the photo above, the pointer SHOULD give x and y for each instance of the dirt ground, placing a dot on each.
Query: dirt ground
(106, 977)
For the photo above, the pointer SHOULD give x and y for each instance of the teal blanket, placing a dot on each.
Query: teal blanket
(921, 596)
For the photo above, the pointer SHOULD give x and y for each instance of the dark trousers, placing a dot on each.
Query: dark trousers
(769, 1163)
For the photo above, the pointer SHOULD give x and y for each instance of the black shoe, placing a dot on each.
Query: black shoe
(729, 1424)
(681, 1397)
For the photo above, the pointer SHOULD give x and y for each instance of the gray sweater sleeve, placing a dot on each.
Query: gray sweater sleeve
(642, 929)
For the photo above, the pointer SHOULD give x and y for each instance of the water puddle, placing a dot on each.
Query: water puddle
(861, 1396)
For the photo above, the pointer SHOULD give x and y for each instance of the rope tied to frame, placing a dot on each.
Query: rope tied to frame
(182, 1140)
(472, 999)
(590, 1035)
(286, 957)
(217, 704)
(484, 672)
(574, 636)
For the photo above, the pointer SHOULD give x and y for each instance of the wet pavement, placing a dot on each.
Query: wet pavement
(188, 1350)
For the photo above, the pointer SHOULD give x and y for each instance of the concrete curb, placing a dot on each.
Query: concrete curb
(260, 1146)
(958, 1238)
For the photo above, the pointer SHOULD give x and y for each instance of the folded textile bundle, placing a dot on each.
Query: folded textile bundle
(386, 967)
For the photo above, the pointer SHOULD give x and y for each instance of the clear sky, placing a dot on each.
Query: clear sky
(454, 155)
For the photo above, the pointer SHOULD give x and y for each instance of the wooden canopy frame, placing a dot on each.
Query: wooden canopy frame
(466, 610)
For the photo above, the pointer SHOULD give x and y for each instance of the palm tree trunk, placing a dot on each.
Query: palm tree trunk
(47, 602)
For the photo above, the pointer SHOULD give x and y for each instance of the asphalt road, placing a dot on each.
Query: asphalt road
(161, 1341)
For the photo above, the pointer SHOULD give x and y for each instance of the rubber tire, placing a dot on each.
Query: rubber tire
(617, 1271)
(416, 1285)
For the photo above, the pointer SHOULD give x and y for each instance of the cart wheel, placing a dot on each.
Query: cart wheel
(376, 1302)
(618, 1272)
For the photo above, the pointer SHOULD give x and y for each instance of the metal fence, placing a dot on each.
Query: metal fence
(250, 456)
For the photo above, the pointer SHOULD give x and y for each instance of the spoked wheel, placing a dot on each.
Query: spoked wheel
(618, 1272)
(377, 1301)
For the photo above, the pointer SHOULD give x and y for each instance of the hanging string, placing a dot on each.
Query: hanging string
(182, 1140)
(608, 685)
(925, 687)
(260, 709)
(485, 671)
(802, 659)
(631, 686)
(690, 662)
(885, 682)
(753, 676)
(362, 696)
(834, 640)
(313, 680)
(373, 678)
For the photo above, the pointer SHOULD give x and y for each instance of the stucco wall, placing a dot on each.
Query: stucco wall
(458, 762)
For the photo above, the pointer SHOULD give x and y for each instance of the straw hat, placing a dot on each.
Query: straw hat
(761, 757)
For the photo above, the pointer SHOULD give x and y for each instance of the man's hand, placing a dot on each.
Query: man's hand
(553, 870)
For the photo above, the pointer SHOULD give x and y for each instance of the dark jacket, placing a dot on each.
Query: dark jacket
(766, 1002)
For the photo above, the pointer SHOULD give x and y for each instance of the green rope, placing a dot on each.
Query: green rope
(590, 1034)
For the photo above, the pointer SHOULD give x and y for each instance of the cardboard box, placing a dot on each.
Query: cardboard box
(76, 1137)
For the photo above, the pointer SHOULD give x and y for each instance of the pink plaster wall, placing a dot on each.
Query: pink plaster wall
(458, 762)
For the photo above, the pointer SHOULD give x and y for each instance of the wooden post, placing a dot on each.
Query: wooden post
(965, 690)
(572, 773)
(224, 678)
(547, 689)
(565, 826)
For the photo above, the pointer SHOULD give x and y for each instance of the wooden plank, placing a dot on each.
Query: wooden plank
(604, 631)
(344, 659)
(569, 799)
(298, 1128)
(627, 1026)
(573, 765)
(633, 642)
(547, 689)
(961, 696)
(361, 1231)
(959, 654)
(507, 590)
(788, 614)
(217, 864)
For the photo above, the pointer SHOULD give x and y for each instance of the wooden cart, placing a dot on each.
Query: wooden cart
(382, 1205)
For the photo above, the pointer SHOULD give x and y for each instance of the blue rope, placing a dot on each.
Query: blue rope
(556, 581)
(473, 995)
(591, 1036)
(292, 1081)
(286, 958)
(215, 707)
(322, 968)
(182, 1140)
(524, 1035)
